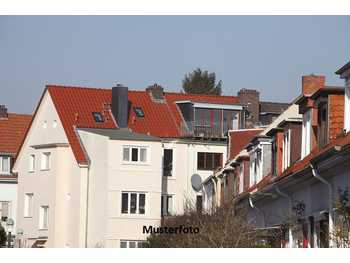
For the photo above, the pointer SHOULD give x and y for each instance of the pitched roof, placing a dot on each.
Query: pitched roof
(239, 139)
(12, 131)
(273, 107)
(76, 104)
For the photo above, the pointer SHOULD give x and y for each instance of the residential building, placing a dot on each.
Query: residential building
(78, 132)
(12, 129)
(309, 166)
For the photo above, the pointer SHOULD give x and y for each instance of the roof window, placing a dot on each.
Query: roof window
(139, 112)
(98, 117)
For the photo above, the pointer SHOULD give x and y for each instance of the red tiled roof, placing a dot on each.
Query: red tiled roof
(239, 139)
(76, 104)
(12, 131)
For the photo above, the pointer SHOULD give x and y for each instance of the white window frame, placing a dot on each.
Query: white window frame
(347, 108)
(137, 242)
(45, 162)
(286, 149)
(2, 172)
(306, 134)
(42, 214)
(31, 163)
(28, 205)
(165, 199)
(137, 203)
(130, 147)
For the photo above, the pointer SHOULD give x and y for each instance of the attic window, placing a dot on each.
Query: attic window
(98, 117)
(139, 112)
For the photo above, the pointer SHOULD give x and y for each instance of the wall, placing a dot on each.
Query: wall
(108, 177)
(52, 187)
(185, 165)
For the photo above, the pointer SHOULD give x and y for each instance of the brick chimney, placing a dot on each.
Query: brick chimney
(156, 92)
(3, 112)
(250, 98)
(312, 83)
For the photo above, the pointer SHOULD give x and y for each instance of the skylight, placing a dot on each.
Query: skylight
(139, 112)
(98, 117)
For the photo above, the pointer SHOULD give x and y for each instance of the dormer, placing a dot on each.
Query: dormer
(310, 84)
(344, 73)
(209, 120)
(329, 104)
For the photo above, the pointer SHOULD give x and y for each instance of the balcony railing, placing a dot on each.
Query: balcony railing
(192, 129)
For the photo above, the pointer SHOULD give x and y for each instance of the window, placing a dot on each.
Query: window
(135, 154)
(168, 162)
(98, 117)
(44, 217)
(31, 163)
(45, 161)
(28, 205)
(139, 112)
(347, 108)
(133, 203)
(208, 161)
(286, 150)
(306, 131)
(167, 205)
(4, 210)
(322, 129)
(5, 164)
(132, 243)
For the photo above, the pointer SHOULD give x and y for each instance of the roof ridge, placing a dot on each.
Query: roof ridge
(195, 94)
(20, 114)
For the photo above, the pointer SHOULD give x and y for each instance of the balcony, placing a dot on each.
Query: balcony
(192, 129)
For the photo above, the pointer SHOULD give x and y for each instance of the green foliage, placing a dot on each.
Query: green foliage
(2, 236)
(201, 82)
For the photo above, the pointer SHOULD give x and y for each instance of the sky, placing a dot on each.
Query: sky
(267, 53)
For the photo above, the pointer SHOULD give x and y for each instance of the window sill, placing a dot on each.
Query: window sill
(27, 216)
(45, 170)
(136, 163)
(43, 229)
(31, 171)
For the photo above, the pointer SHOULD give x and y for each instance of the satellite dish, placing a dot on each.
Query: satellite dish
(196, 182)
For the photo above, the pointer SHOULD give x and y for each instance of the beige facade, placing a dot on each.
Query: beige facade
(73, 206)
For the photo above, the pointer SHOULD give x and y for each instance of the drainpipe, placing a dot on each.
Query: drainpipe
(330, 202)
(290, 205)
(216, 191)
(257, 209)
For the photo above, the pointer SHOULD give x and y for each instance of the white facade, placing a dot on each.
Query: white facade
(80, 206)
(8, 202)
(185, 166)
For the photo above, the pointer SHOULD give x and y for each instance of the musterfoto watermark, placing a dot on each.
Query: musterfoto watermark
(170, 230)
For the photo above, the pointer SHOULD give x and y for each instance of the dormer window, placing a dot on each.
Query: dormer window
(322, 124)
(98, 117)
(139, 112)
(306, 132)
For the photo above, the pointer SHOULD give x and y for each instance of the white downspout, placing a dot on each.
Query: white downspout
(257, 209)
(290, 204)
(330, 202)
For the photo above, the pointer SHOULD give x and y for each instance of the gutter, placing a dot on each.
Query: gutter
(290, 205)
(330, 201)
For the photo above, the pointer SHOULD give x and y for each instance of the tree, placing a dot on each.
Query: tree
(2, 236)
(201, 82)
(221, 228)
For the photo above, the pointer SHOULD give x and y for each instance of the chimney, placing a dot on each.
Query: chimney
(120, 105)
(312, 83)
(250, 98)
(156, 92)
(3, 112)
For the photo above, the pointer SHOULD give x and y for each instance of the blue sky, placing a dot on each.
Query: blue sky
(268, 53)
